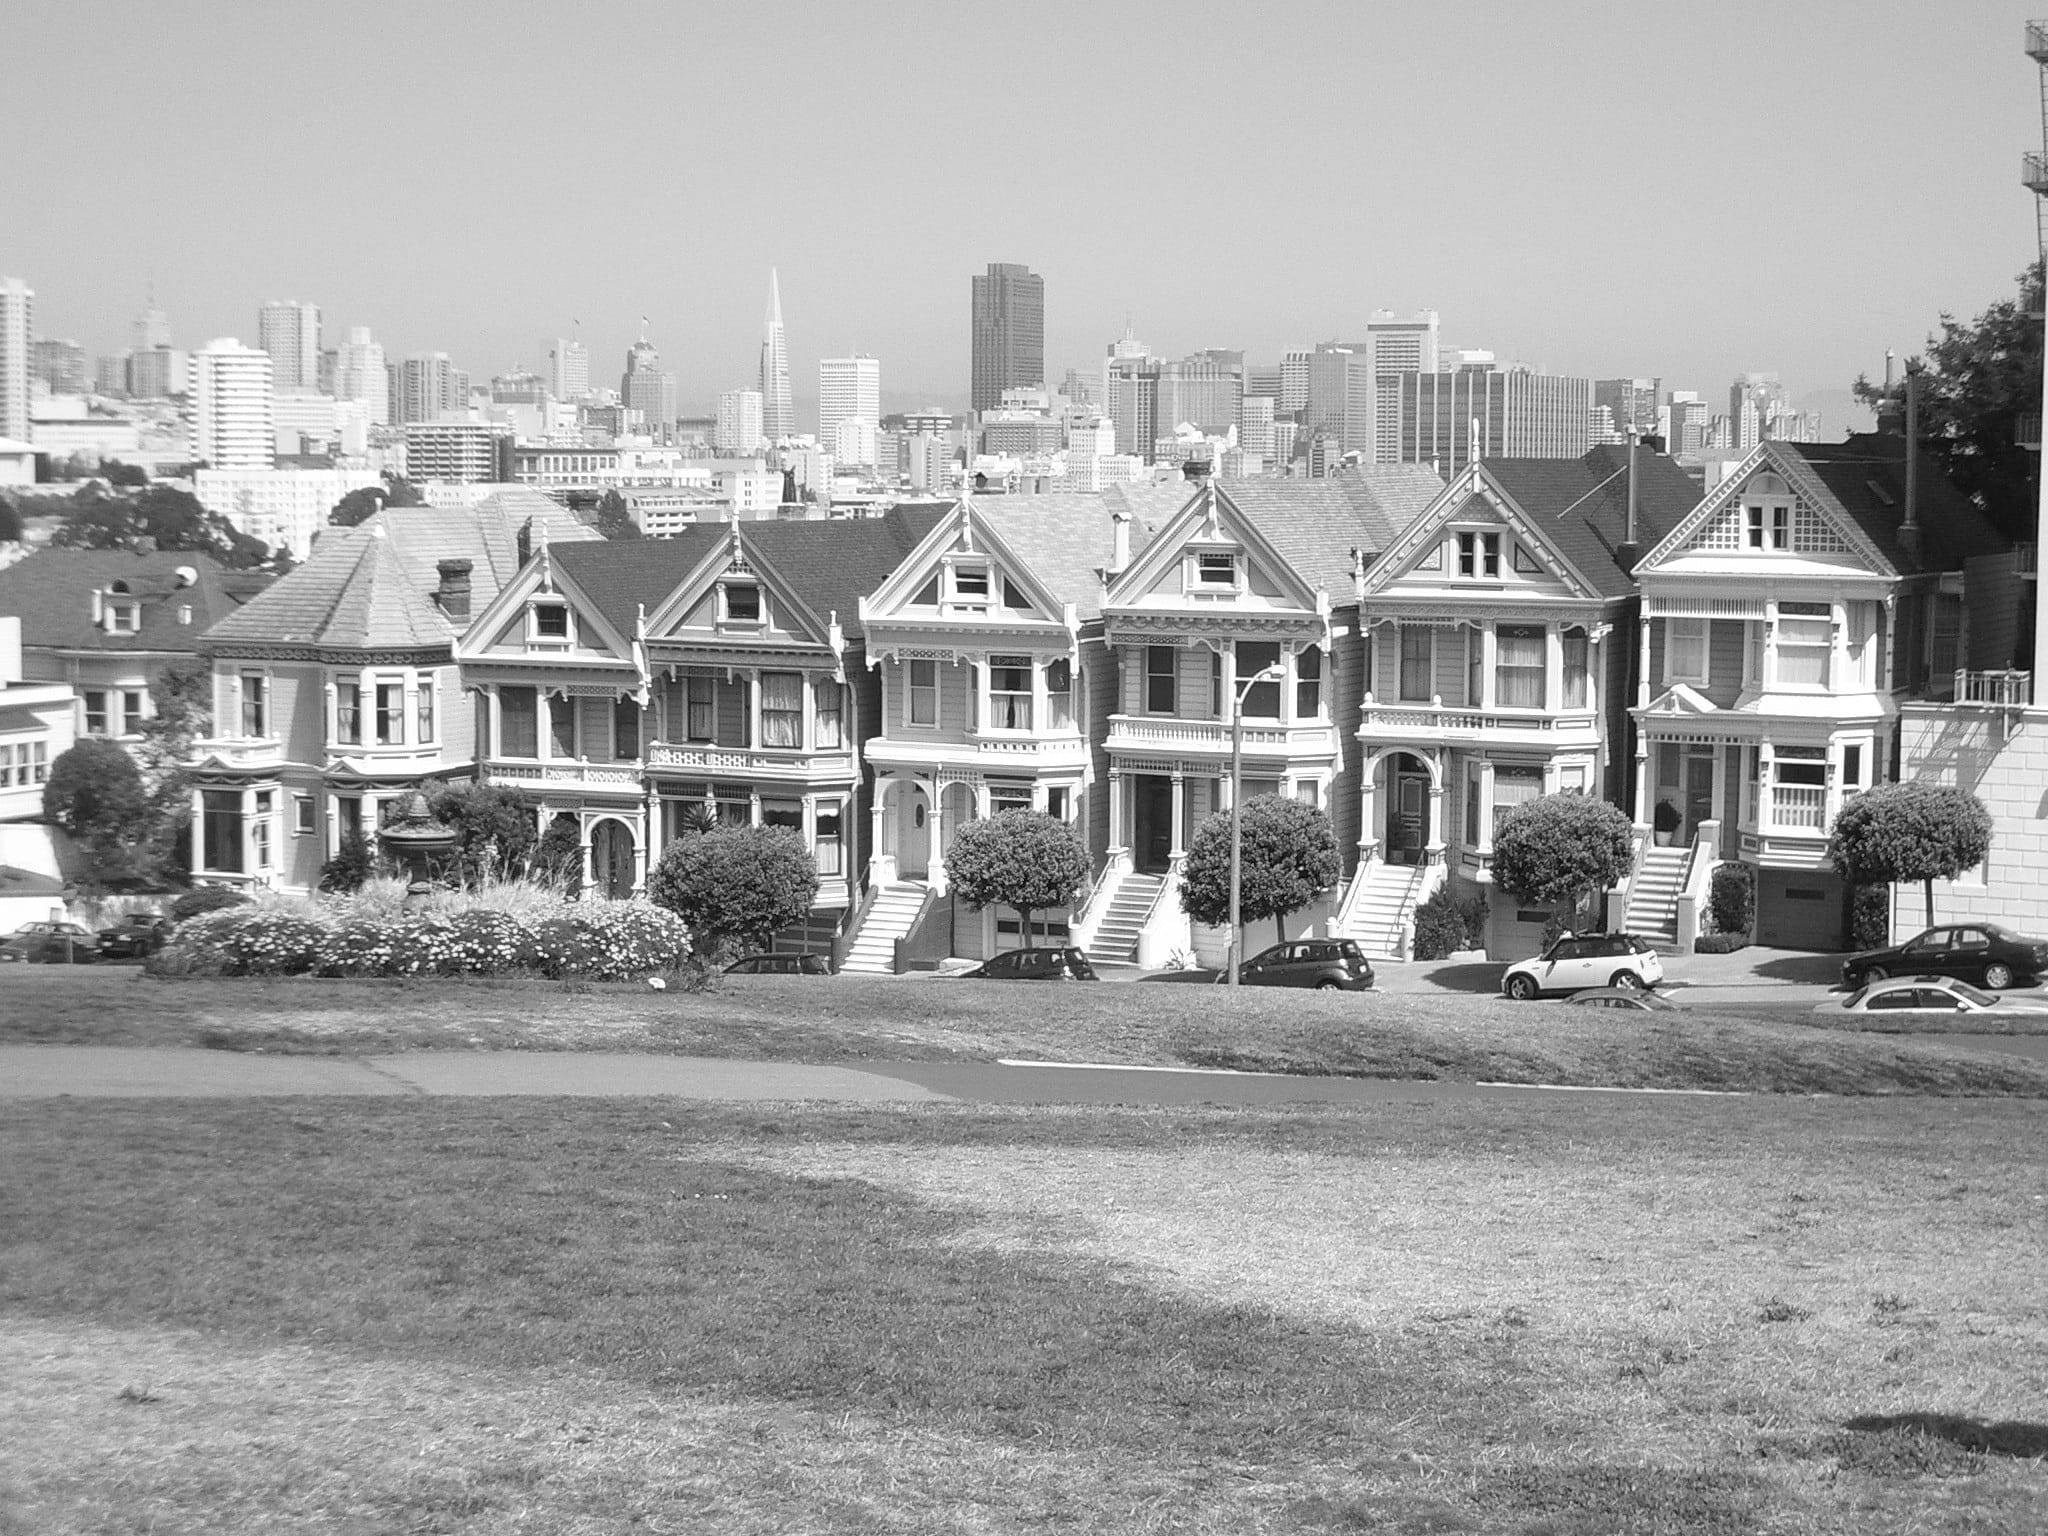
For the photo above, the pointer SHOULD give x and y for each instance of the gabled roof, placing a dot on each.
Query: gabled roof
(372, 586)
(51, 591)
(1316, 524)
(621, 578)
(1866, 476)
(1206, 513)
(1064, 540)
(1582, 505)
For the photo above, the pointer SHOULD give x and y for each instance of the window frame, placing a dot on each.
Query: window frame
(1155, 677)
(348, 712)
(789, 717)
(1521, 672)
(253, 705)
(1015, 702)
(552, 607)
(914, 690)
(1426, 635)
(1672, 674)
(1201, 562)
(1478, 555)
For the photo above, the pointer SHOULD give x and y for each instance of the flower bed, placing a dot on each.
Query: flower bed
(600, 941)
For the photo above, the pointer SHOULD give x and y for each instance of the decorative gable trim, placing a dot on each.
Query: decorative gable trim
(1413, 549)
(539, 578)
(1210, 518)
(1820, 523)
(738, 556)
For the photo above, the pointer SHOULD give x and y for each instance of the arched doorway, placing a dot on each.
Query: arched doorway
(913, 833)
(611, 859)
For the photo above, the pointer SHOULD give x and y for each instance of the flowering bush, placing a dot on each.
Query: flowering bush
(605, 941)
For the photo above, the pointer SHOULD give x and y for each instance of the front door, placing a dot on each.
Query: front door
(1152, 823)
(1699, 790)
(611, 860)
(913, 833)
(1408, 817)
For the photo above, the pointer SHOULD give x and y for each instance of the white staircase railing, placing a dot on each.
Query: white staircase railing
(1692, 896)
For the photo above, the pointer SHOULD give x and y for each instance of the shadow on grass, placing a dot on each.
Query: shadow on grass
(1480, 976)
(2005, 1437)
(1814, 970)
(1197, 977)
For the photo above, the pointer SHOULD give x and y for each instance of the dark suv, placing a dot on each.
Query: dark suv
(136, 935)
(780, 965)
(1036, 965)
(1326, 964)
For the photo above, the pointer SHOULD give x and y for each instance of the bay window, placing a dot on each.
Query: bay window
(923, 701)
(1685, 651)
(1261, 700)
(255, 704)
(348, 712)
(221, 830)
(1513, 785)
(561, 725)
(518, 722)
(390, 714)
(1009, 693)
(1806, 639)
(782, 710)
(259, 827)
(423, 713)
(1518, 666)
(1418, 662)
(1576, 652)
(827, 844)
(1308, 683)
(830, 697)
(1059, 694)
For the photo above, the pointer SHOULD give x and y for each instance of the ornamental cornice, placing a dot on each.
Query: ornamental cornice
(258, 650)
(811, 658)
(1200, 626)
(1478, 615)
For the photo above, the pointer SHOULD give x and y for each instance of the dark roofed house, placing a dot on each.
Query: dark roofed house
(335, 689)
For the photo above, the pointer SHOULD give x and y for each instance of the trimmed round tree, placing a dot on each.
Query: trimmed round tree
(1561, 849)
(1287, 857)
(96, 793)
(736, 884)
(1021, 859)
(1924, 832)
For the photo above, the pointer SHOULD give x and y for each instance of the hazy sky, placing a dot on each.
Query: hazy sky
(1628, 188)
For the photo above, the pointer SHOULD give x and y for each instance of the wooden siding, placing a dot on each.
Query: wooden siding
(1725, 661)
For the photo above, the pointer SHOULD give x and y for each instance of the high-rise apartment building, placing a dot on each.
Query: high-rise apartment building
(1148, 397)
(1008, 333)
(1444, 418)
(458, 450)
(290, 332)
(360, 374)
(739, 429)
(647, 387)
(778, 419)
(1293, 381)
(150, 329)
(61, 366)
(150, 374)
(1685, 426)
(1760, 410)
(233, 413)
(568, 369)
(849, 389)
(1255, 427)
(430, 384)
(1630, 403)
(17, 331)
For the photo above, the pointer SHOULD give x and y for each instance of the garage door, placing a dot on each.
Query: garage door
(1799, 909)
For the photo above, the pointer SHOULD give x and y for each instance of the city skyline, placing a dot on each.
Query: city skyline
(1567, 245)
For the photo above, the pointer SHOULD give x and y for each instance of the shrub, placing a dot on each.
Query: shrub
(1870, 917)
(358, 945)
(1443, 924)
(243, 941)
(634, 938)
(564, 946)
(736, 884)
(1731, 899)
(1719, 943)
(208, 898)
(353, 863)
(487, 943)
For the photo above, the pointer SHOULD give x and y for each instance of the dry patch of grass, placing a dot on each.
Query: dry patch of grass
(1689, 1318)
(852, 1018)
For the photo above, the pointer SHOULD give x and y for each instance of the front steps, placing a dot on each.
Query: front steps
(1379, 918)
(1116, 936)
(889, 918)
(1653, 895)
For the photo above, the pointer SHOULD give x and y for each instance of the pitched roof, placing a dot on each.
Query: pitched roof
(623, 577)
(1066, 540)
(1316, 524)
(1867, 478)
(1582, 505)
(372, 586)
(52, 590)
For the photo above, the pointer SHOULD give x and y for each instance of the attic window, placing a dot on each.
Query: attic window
(1216, 570)
(742, 602)
(970, 583)
(550, 621)
(1479, 555)
(124, 618)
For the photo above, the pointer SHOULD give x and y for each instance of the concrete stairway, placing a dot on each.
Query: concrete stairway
(1116, 937)
(1653, 896)
(1383, 908)
(894, 909)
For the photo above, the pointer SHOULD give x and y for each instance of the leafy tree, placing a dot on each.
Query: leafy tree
(557, 860)
(1287, 858)
(736, 884)
(96, 794)
(10, 522)
(115, 473)
(1980, 381)
(401, 492)
(613, 520)
(158, 517)
(1924, 832)
(493, 826)
(356, 507)
(1021, 859)
(353, 863)
(181, 696)
(1561, 849)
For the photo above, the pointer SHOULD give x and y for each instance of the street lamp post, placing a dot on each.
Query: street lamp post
(1272, 674)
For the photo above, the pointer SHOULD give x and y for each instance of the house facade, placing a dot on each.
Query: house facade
(1783, 621)
(38, 723)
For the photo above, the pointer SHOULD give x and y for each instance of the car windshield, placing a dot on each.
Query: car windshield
(1969, 993)
(2003, 934)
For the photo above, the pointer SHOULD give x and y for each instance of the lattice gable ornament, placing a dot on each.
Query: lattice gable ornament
(1820, 525)
(1472, 500)
(1214, 520)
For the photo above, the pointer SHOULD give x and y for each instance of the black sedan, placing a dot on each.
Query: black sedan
(1984, 953)
(780, 965)
(1034, 965)
(1325, 964)
(137, 935)
(50, 944)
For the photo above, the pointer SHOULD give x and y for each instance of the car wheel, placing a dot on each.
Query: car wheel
(1625, 981)
(1873, 973)
(1521, 988)
(1997, 977)
(1326, 985)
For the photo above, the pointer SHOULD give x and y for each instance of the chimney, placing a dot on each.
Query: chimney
(1195, 470)
(1120, 547)
(1629, 551)
(1909, 528)
(453, 593)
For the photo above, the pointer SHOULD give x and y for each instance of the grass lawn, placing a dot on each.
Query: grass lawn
(853, 1018)
(1679, 1317)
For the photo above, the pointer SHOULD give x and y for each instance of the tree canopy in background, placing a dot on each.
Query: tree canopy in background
(156, 517)
(613, 519)
(1981, 381)
(1022, 859)
(359, 504)
(1924, 832)
(1287, 858)
(493, 826)
(1561, 848)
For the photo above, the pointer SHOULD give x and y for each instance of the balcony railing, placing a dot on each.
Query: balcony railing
(1799, 808)
(2001, 690)
(2034, 171)
(1166, 733)
(241, 751)
(595, 775)
(1470, 721)
(777, 764)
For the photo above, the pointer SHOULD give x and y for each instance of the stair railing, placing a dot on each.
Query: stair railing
(1618, 896)
(1692, 895)
(1158, 937)
(842, 942)
(1354, 894)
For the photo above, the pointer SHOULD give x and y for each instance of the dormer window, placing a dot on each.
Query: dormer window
(1767, 514)
(1479, 556)
(549, 622)
(1215, 571)
(970, 583)
(739, 602)
(124, 616)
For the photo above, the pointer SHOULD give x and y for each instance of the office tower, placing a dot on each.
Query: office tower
(1294, 381)
(1255, 427)
(1760, 410)
(1008, 333)
(232, 410)
(150, 329)
(647, 387)
(777, 419)
(429, 383)
(290, 332)
(1393, 344)
(110, 375)
(739, 422)
(568, 369)
(149, 374)
(1444, 417)
(1262, 379)
(849, 389)
(1631, 402)
(60, 365)
(1685, 425)
(1326, 398)
(360, 374)
(519, 387)
(17, 326)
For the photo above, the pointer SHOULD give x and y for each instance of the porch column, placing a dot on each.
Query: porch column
(1838, 648)
(1484, 841)
(1766, 814)
(1553, 667)
(1643, 667)
(876, 811)
(1119, 840)
(198, 829)
(1642, 818)
(1180, 801)
(583, 852)
(640, 857)
(1368, 809)
(1433, 845)
(754, 806)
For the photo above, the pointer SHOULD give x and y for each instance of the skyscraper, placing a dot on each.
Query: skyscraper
(17, 328)
(647, 387)
(360, 374)
(61, 365)
(1511, 412)
(232, 407)
(290, 332)
(150, 329)
(849, 389)
(777, 419)
(429, 383)
(739, 422)
(1008, 334)
(568, 369)
(1631, 402)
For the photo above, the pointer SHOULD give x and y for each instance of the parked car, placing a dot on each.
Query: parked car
(136, 935)
(1326, 964)
(1933, 997)
(1035, 965)
(1634, 999)
(1577, 961)
(780, 965)
(50, 944)
(1985, 953)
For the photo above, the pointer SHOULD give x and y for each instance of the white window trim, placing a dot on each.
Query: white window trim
(1671, 672)
(1192, 581)
(550, 642)
(910, 692)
